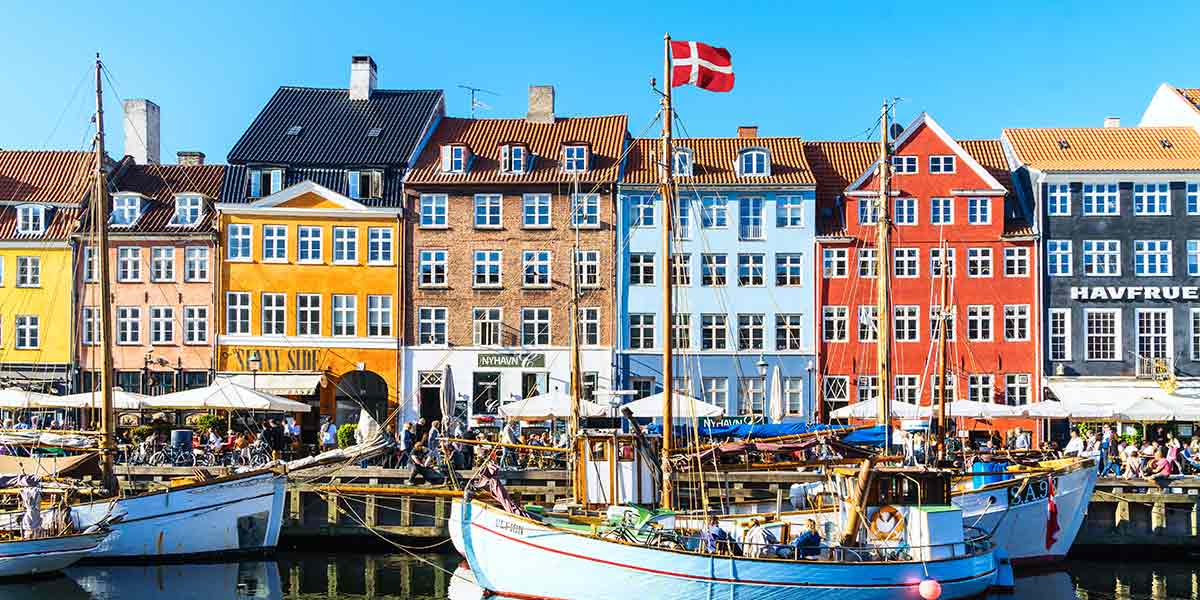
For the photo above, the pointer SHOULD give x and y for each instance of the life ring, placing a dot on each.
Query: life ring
(887, 524)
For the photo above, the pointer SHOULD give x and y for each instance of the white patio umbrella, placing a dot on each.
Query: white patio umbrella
(777, 408)
(549, 405)
(980, 410)
(122, 400)
(1046, 409)
(17, 398)
(1146, 409)
(223, 394)
(869, 409)
(682, 406)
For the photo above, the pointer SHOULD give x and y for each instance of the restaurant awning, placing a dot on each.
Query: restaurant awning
(223, 394)
(1125, 399)
(280, 384)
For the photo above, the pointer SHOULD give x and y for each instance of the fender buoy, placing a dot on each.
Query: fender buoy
(887, 524)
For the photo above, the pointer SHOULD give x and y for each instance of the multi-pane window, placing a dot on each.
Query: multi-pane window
(1193, 198)
(379, 245)
(1016, 262)
(793, 395)
(906, 261)
(90, 320)
(750, 269)
(162, 325)
(716, 391)
(28, 332)
(751, 395)
(683, 163)
(1058, 199)
(585, 210)
(835, 389)
(868, 323)
(237, 313)
(575, 158)
(935, 388)
(868, 388)
(906, 211)
(750, 218)
(431, 264)
(941, 211)
(1102, 258)
(904, 165)
(1196, 334)
(979, 323)
(1058, 258)
(754, 162)
(535, 211)
(1193, 257)
(681, 331)
(239, 242)
(274, 314)
(535, 327)
(310, 244)
(195, 324)
(587, 268)
(31, 219)
(868, 262)
(979, 262)
(641, 331)
(834, 327)
(125, 210)
(129, 325)
(750, 332)
(714, 332)
(1060, 334)
(641, 211)
(195, 263)
(936, 262)
(939, 319)
(789, 269)
(641, 268)
(454, 158)
(1100, 199)
(979, 211)
(512, 159)
(345, 315)
(833, 262)
(1016, 389)
(274, 243)
(589, 326)
(345, 245)
(431, 325)
(264, 182)
(683, 218)
(908, 323)
(868, 212)
(908, 389)
(29, 271)
(979, 387)
(789, 211)
(308, 314)
(1102, 333)
(487, 325)
(487, 210)
(487, 268)
(1152, 257)
(714, 212)
(681, 269)
(788, 331)
(89, 265)
(363, 184)
(536, 267)
(941, 164)
(1151, 199)
(1153, 339)
(129, 264)
(433, 210)
(713, 269)
(1016, 322)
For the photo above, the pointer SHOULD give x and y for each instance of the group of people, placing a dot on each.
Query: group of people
(760, 542)
(1160, 454)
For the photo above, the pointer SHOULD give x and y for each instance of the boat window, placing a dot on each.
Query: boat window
(599, 451)
(626, 452)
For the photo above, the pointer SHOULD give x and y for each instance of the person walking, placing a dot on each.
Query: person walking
(328, 434)
(408, 441)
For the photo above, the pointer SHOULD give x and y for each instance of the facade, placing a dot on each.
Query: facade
(309, 236)
(501, 212)
(743, 274)
(40, 197)
(954, 221)
(1119, 213)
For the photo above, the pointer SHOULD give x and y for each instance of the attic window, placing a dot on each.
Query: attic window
(454, 158)
(126, 209)
(31, 219)
(295, 130)
(754, 162)
(367, 183)
(264, 181)
(374, 132)
(513, 159)
(575, 158)
(187, 210)
(1063, 145)
(1165, 143)
(683, 162)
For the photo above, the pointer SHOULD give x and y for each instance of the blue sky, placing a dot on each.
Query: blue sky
(818, 70)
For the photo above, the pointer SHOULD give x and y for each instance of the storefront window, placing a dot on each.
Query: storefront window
(485, 393)
(533, 384)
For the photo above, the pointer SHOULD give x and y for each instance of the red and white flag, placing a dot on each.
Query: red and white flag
(701, 65)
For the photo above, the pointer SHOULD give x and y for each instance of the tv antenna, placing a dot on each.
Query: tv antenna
(475, 101)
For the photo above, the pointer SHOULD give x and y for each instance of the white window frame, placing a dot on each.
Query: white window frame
(129, 325)
(714, 270)
(381, 249)
(344, 306)
(162, 263)
(536, 208)
(755, 266)
(513, 159)
(433, 210)
(126, 210)
(274, 242)
(751, 331)
(31, 219)
(587, 268)
(1102, 253)
(234, 302)
(1118, 351)
(839, 318)
(90, 268)
(714, 332)
(642, 268)
(868, 212)
(315, 244)
(942, 164)
(536, 316)
(432, 267)
(28, 333)
(536, 268)
(752, 395)
(910, 259)
(1195, 333)
(379, 315)
(589, 326)
(979, 210)
(1055, 251)
(981, 387)
(1192, 257)
(575, 158)
(643, 212)
(585, 211)
(834, 263)
(789, 332)
(681, 270)
(789, 212)
(714, 212)
(905, 164)
(1152, 196)
(1141, 250)
(273, 310)
(89, 321)
(1101, 200)
(868, 263)
(196, 264)
(1192, 198)
(640, 324)
(754, 162)
(1058, 200)
(683, 162)
(868, 323)
(29, 271)
(750, 218)
(347, 246)
(488, 211)
(941, 210)
(454, 158)
(237, 233)
(162, 325)
(487, 326)
(189, 210)
(936, 262)
(907, 320)
(1064, 314)
(907, 388)
(1018, 256)
(980, 314)
(307, 307)
(431, 326)
(906, 211)
(195, 325)
(789, 269)
(1018, 314)
(129, 264)
(482, 278)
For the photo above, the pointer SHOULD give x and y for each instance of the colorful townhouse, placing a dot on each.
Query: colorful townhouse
(743, 270)
(1119, 215)
(162, 257)
(955, 221)
(41, 193)
(308, 291)
(502, 213)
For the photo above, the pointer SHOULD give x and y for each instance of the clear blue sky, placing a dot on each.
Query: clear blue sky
(803, 68)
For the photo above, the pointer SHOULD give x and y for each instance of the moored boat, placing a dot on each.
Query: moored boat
(28, 557)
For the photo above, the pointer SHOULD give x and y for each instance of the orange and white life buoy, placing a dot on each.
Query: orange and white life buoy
(887, 524)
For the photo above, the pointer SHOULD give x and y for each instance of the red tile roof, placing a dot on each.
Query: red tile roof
(48, 176)
(63, 221)
(484, 137)
(1192, 95)
(714, 159)
(836, 165)
(1104, 149)
(990, 155)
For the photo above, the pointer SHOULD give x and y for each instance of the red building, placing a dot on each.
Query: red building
(946, 194)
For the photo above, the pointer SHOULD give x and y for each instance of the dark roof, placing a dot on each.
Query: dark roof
(159, 184)
(235, 186)
(50, 176)
(332, 128)
(714, 160)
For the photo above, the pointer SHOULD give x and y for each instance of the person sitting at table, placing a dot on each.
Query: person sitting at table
(1132, 460)
(1190, 456)
(1161, 468)
(715, 539)
(808, 543)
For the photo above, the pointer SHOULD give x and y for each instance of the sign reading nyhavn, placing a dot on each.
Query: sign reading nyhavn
(526, 360)
(1136, 293)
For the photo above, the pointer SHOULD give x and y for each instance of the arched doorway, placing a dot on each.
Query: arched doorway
(357, 390)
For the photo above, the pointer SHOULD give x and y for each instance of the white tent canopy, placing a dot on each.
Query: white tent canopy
(1124, 400)
(224, 394)
(17, 398)
(122, 400)
(869, 409)
(979, 410)
(549, 405)
(683, 407)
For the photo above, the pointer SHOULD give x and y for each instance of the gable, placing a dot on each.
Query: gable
(924, 138)
(307, 194)
(309, 200)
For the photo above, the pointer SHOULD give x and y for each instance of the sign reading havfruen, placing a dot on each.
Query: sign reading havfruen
(1110, 292)
(520, 360)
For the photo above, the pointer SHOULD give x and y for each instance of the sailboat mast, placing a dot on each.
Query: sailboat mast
(100, 205)
(577, 469)
(668, 196)
(943, 314)
(883, 305)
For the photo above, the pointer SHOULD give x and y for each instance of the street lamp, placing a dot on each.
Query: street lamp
(255, 363)
(762, 366)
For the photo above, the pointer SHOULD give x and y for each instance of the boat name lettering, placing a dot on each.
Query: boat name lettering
(1110, 292)
(1038, 489)
(510, 527)
(528, 360)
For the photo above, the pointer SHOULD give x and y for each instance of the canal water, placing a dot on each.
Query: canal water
(439, 576)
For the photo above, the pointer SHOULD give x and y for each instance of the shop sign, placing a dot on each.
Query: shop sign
(277, 359)
(731, 421)
(521, 360)
(1110, 292)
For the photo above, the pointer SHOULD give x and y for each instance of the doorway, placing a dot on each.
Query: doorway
(430, 399)
(485, 393)
(359, 390)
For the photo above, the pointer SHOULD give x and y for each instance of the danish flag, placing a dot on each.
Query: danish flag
(707, 67)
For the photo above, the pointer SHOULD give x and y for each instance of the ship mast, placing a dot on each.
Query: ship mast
(939, 432)
(577, 463)
(100, 206)
(668, 196)
(883, 304)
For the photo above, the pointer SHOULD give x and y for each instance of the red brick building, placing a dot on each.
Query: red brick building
(949, 195)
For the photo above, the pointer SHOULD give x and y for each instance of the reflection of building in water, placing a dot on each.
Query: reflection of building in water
(370, 576)
(233, 581)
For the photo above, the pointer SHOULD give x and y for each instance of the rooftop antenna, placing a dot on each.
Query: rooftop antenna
(475, 102)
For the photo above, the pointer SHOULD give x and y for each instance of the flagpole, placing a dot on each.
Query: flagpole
(668, 195)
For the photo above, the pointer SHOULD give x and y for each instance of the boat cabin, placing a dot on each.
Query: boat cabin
(616, 472)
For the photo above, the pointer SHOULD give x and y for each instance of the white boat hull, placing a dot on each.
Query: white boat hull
(23, 558)
(512, 556)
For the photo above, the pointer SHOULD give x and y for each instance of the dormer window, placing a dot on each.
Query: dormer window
(754, 163)
(575, 158)
(188, 210)
(126, 210)
(365, 183)
(31, 219)
(513, 159)
(683, 162)
(454, 158)
(265, 181)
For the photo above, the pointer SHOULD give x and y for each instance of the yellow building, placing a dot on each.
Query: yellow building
(41, 193)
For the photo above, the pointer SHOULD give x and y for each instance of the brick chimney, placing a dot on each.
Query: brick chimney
(541, 105)
(748, 131)
(189, 158)
(142, 131)
(362, 77)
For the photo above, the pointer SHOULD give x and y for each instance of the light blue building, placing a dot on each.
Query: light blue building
(745, 277)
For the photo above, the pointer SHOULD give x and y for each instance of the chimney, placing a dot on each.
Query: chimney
(541, 105)
(189, 158)
(362, 77)
(141, 131)
(1112, 122)
(748, 131)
